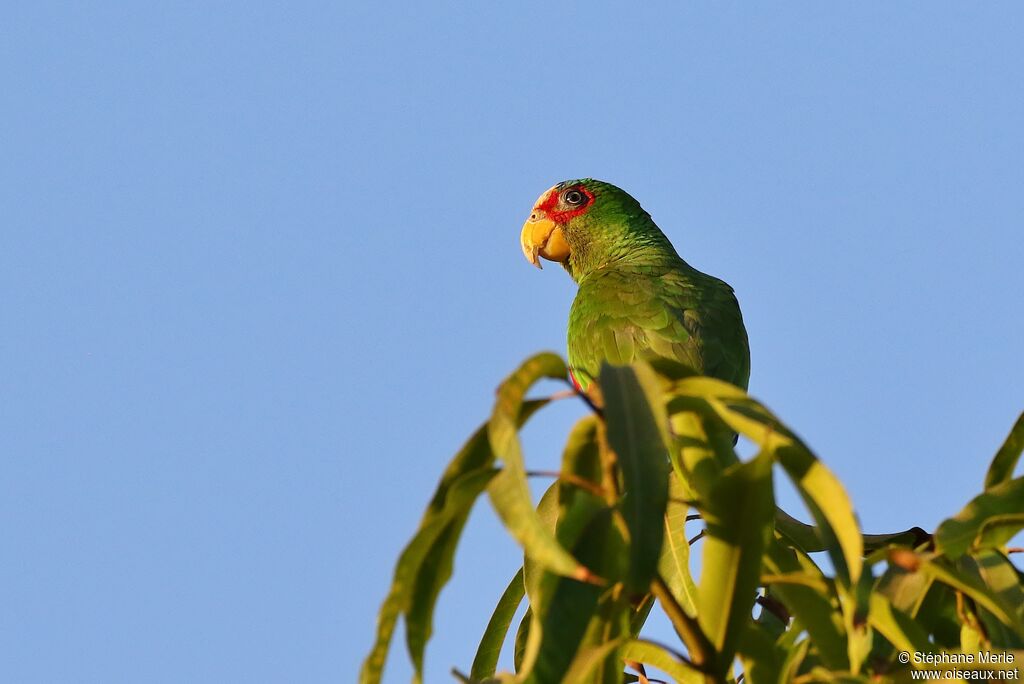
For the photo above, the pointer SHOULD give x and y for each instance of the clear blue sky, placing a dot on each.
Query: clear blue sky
(260, 276)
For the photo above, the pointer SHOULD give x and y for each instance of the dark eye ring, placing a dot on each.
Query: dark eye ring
(574, 197)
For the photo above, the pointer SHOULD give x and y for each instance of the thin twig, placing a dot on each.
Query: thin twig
(562, 394)
(702, 652)
(586, 399)
(773, 606)
(699, 535)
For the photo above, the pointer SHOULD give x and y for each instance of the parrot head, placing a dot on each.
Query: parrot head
(586, 224)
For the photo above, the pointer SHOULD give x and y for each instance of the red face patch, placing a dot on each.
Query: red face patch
(560, 212)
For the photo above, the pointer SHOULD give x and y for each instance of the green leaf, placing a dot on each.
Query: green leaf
(564, 609)
(592, 664)
(446, 513)
(1001, 469)
(597, 659)
(810, 602)
(820, 489)
(738, 516)
(830, 506)
(794, 659)
(1003, 578)
(564, 606)
(581, 458)
(944, 571)
(547, 511)
(509, 491)
(674, 563)
(763, 659)
(636, 428)
(988, 521)
(993, 570)
(434, 573)
(522, 638)
(422, 570)
(650, 653)
(899, 628)
(904, 590)
(487, 653)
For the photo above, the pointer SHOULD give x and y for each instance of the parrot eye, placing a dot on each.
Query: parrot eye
(574, 197)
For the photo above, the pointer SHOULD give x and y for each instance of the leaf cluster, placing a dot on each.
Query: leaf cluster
(776, 600)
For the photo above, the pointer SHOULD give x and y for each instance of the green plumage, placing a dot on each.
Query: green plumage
(637, 298)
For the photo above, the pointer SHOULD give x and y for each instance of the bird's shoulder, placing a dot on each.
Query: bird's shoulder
(672, 311)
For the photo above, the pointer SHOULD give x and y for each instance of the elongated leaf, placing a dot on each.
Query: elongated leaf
(794, 659)
(1001, 469)
(451, 502)
(597, 659)
(422, 570)
(434, 573)
(564, 606)
(509, 491)
(944, 571)
(591, 664)
(547, 511)
(674, 563)
(815, 609)
(581, 459)
(522, 637)
(831, 507)
(988, 521)
(636, 425)
(904, 590)
(549, 592)
(650, 653)
(702, 449)
(1003, 578)
(739, 518)
(821, 491)
(896, 626)
(763, 659)
(487, 653)
(994, 571)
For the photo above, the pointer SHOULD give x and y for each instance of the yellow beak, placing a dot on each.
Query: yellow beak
(542, 236)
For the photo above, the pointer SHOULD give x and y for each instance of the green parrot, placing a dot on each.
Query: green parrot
(637, 298)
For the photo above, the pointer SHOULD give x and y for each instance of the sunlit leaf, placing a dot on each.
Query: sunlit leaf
(814, 608)
(988, 521)
(487, 653)
(581, 459)
(994, 571)
(637, 432)
(509, 491)
(674, 563)
(1001, 469)
(821, 491)
(943, 571)
(650, 653)
(592, 663)
(564, 606)
(457, 491)
(738, 519)
(762, 658)
(904, 590)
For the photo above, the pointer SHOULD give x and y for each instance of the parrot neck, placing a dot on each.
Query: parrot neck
(631, 242)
